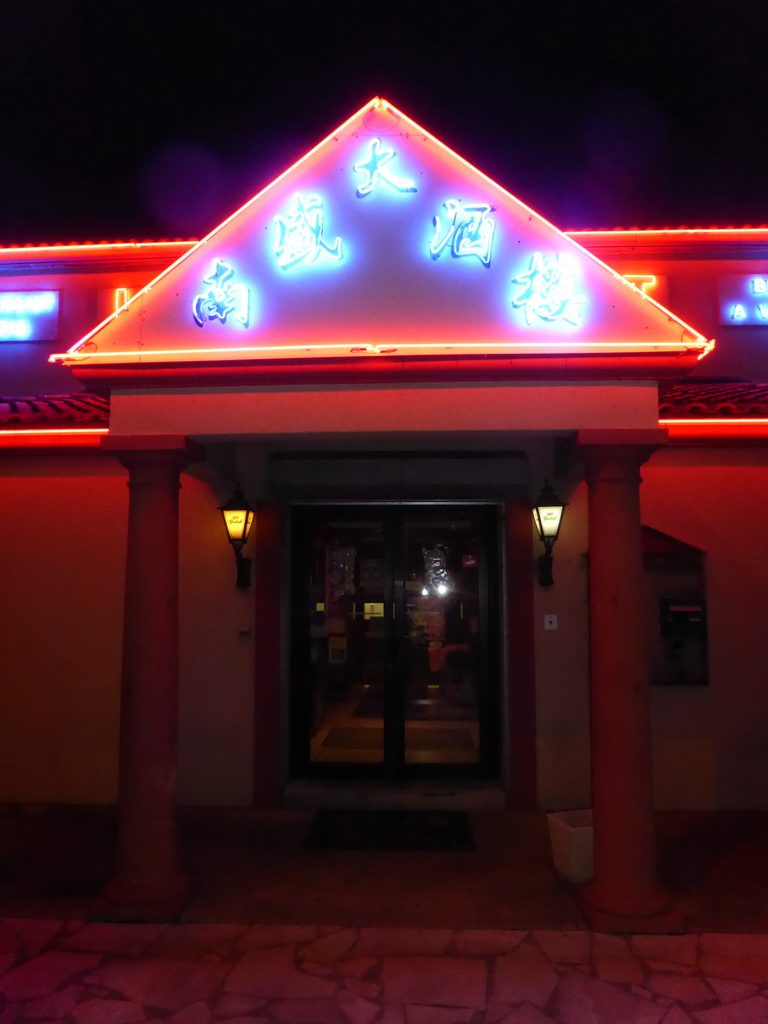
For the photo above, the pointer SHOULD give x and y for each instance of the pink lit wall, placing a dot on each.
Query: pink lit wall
(62, 524)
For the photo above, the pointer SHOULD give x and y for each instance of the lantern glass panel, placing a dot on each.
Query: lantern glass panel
(238, 522)
(547, 519)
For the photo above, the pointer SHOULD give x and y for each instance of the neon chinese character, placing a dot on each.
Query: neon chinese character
(469, 231)
(372, 166)
(222, 297)
(300, 234)
(548, 291)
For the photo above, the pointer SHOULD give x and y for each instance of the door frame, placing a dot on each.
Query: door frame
(491, 676)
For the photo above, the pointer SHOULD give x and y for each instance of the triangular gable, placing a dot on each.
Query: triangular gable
(381, 241)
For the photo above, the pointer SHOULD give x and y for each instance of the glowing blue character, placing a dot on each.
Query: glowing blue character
(222, 297)
(372, 168)
(300, 234)
(468, 229)
(548, 291)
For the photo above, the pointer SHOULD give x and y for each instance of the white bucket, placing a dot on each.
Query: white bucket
(570, 834)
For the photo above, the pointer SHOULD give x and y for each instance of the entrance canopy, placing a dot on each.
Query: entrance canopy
(381, 245)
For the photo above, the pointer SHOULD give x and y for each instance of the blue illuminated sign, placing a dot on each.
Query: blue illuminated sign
(221, 298)
(744, 299)
(29, 316)
(548, 291)
(300, 234)
(372, 168)
(468, 229)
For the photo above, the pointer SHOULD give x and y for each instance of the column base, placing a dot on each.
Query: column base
(651, 912)
(670, 922)
(121, 901)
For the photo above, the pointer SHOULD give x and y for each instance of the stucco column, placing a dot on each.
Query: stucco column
(624, 880)
(147, 874)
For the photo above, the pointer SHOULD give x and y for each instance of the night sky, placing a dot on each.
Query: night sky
(149, 120)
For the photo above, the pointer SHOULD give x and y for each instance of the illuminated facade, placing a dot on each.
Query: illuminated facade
(390, 354)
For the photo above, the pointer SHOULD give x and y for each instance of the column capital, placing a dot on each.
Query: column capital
(629, 449)
(170, 450)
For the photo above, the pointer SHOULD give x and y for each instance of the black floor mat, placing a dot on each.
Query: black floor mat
(390, 830)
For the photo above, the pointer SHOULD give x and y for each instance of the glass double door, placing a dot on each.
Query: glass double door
(393, 641)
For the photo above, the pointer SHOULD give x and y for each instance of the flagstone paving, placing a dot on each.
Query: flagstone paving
(71, 972)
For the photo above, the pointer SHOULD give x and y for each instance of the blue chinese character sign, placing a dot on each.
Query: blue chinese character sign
(221, 297)
(467, 231)
(300, 234)
(548, 291)
(374, 170)
(383, 244)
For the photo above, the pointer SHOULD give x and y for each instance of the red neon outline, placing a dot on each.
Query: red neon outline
(35, 250)
(53, 431)
(53, 438)
(697, 339)
(643, 232)
(399, 348)
(702, 420)
(716, 428)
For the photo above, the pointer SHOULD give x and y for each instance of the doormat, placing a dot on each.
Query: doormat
(363, 737)
(390, 830)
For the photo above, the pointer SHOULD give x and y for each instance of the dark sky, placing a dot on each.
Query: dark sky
(148, 120)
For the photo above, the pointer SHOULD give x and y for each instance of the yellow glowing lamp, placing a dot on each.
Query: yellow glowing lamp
(547, 515)
(238, 516)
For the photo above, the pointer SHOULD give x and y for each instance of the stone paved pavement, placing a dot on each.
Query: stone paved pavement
(103, 973)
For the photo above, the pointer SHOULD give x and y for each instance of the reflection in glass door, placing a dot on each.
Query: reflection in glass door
(441, 663)
(391, 651)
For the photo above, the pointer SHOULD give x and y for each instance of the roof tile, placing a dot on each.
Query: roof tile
(37, 411)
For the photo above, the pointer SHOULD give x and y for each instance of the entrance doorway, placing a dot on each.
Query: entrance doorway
(394, 647)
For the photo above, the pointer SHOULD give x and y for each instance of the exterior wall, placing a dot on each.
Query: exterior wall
(562, 665)
(710, 742)
(216, 662)
(63, 524)
(61, 627)
(63, 535)
(61, 621)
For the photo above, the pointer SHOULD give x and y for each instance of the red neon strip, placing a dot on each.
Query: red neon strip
(85, 438)
(687, 232)
(717, 420)
(44, 250)
(755, 428)
(396, 348)
(55, 431)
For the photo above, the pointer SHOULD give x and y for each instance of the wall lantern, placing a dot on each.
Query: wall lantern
(547, 514)
(238, 518)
